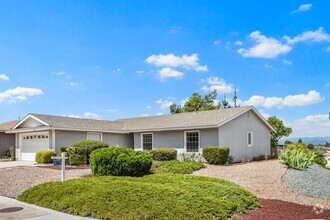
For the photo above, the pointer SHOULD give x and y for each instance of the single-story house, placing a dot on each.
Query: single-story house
(242, 129)
(6, 140)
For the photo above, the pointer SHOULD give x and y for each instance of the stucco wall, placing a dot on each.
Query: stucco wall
(175, 139)
(65, 138)
(6, 140)
(234, 135)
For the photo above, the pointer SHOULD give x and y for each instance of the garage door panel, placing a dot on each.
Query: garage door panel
(31, 143)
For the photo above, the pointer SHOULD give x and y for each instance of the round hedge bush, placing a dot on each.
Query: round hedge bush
(120, 161)
(76, 159)
(85, 148)
(164, 154)
(45, 156)
(216, 155)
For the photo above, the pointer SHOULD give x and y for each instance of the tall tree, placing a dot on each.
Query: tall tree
(300, 141)
(281, 130)
(196, 102)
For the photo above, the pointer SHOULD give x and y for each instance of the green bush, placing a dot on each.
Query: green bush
(319, 157)
(298, 146)
(297, 158)
(163, 154)
(158, 196)
(179, 167)
(311, 146)
(85, 148)
(12, 152)
(64, 149)
(190, 157)
(76, 159)
(45, 156)
(120, 161)
(216, 155)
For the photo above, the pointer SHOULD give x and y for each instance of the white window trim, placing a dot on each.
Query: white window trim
(247, 139)
(152, 136)
(95, 133)
(185, 140)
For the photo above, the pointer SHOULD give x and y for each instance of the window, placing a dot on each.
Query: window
(147, 141)
(192, 141)
(94, 136)
(249, 139)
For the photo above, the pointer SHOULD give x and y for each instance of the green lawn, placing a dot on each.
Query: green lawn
(158, 196)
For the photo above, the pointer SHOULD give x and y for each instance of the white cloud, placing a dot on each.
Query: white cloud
(238, 43)
(164, 103)
(113, 110)
(19, 93)
(73, 116)
(219, 84)
(267, 66)
(148, 106)
(328, 49)
(4, 76)
(175, 29)
(159, 113)
(91, 115)
(310, 126)
(139, 71)
(168, 72)
(264, 47)
(170, 60)
(312, 97)
(286, 62)
(117, 70)
(303, 8)
(144, 115)
(60, 73)
(217, 42)
(314, 36)
(74, 84)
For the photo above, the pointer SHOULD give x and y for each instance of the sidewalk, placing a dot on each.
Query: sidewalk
(11, 209)
(8, 164)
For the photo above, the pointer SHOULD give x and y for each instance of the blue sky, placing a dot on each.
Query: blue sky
(110, 59)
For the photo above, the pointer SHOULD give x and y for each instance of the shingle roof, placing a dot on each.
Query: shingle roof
(202, 119)
(80, 123)
(191, 119)
(8, 125)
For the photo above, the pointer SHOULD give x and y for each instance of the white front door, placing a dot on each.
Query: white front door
(30, 143)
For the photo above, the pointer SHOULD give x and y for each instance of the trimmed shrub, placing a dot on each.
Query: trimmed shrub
(120, 161)
(85, 148)
(297, 158)
(45, 156)
(216, 155)
(179, 167)
(12, 152)
(163, 154)
(76, 159)
(64, 149)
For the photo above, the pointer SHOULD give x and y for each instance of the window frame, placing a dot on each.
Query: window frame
(247, 139)
(99, 133)
(199, 140)
(152, 140)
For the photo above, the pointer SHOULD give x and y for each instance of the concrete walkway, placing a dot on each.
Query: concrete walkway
(11, 209)
(8, 164)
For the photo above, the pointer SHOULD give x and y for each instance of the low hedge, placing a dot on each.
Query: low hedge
(85, 148)
(179, 167)
(76, 159)
(164, 154)
(120, 161)
(216, 155)
(45, 156)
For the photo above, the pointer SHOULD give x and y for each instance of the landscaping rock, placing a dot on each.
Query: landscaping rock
(313, 181)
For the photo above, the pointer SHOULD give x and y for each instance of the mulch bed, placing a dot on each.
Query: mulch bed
(273, 209)
(67, 167)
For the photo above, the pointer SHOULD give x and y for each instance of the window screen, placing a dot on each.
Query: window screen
(192, 141)
(147, 141)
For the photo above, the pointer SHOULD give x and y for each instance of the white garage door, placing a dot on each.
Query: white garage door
(31, 143)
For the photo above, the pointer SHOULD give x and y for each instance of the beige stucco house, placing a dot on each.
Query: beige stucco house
(242, 129)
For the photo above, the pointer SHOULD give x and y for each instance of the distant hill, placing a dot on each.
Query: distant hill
(307, 140)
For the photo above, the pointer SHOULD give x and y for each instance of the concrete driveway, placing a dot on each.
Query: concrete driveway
(8, 164)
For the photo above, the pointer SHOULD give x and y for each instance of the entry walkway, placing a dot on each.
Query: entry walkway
(11, 209)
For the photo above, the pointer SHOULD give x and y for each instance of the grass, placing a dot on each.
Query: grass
(158, 196)
(178, 167)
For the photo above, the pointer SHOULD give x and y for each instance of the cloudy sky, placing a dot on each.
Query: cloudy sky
(110, 59)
